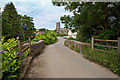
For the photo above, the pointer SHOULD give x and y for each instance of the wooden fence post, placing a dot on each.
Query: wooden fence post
(20, 54)
(118, 45)
(92, 43)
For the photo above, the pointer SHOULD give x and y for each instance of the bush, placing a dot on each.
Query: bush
(84, 33)
(10, 42)
(110, 34)
(10, 64)
(49, 37)
(10, 60)
(61, 35)
(71, 38)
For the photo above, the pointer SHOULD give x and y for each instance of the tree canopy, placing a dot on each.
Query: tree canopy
(15, 25)
(92, 18)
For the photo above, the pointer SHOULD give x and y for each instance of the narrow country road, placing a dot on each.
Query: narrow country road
(58, 61)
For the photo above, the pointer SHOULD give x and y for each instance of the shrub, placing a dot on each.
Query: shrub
(10, 60)
(10, 42)
(10, 64)
(49, 37)
(77, 49)
(84, 33)
(108, 34)
(61, 35)
(71, 38)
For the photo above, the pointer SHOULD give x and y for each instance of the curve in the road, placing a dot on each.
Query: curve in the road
(58, 61)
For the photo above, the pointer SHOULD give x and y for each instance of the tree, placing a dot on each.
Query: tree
(11, 22)
(0, 23)
(27, 25)
(93, 16)
(15, 25)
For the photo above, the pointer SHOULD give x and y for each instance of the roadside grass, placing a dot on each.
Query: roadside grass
(110, 60)
(75, 49)
(71, 38)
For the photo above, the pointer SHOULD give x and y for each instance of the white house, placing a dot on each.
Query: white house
(71, 34)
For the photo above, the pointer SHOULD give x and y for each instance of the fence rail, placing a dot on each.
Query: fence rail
(105, 40)
(117, 41)
(105, 46)
(25, 42)
(20, 50)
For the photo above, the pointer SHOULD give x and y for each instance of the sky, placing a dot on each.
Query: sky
(44, 14)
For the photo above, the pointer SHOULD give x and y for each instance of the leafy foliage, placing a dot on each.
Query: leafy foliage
(61, 35)
(27, 26)
(110, 60)
(75, 49)
(71, 38)
(15, 25)
(10, 64)
(10, 60)
(10, 42)
(84, 34)
(92, 18)
(49, 37)
(108, 34)
(98, 19)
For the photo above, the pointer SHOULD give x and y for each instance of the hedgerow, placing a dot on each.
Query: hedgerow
(49, 37)
(10, 60)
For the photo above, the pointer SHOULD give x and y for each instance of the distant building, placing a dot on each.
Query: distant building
(71, 34)
(61, 30)
(65, 31)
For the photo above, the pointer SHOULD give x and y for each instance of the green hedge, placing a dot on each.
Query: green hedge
(71, 38)
(75, 49)
(49, 37)
(61, 35)
(10, 60)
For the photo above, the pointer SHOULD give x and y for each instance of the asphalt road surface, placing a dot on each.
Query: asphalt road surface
(58, 61)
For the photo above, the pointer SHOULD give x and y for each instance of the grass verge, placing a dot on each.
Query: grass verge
(109, 60)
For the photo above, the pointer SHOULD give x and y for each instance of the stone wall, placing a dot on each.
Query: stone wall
(76, 44)
(36, 48)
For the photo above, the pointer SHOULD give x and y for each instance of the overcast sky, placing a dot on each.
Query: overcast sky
(44, 13)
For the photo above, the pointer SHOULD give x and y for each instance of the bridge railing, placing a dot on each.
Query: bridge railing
(92, 45)
(76, 44)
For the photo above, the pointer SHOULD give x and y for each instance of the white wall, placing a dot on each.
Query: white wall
(74, 35)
